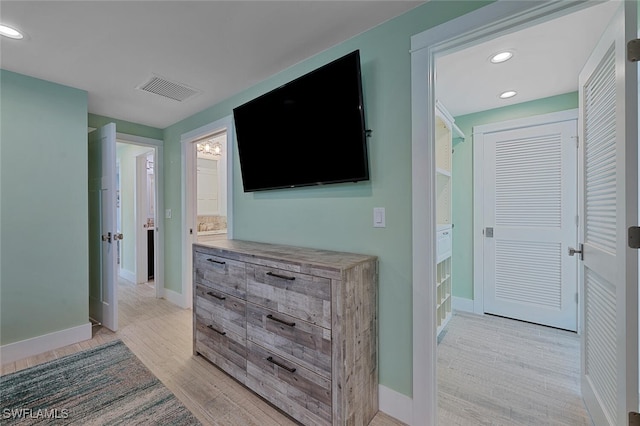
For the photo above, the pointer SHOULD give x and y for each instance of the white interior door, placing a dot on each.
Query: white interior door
(530, 206)
(103, 236)
(608, 199)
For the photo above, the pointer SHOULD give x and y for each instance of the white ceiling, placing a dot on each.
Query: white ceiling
(108, 48)
(547, 61)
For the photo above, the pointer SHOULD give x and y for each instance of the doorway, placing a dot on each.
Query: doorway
(135, 211)
(482, 25)
(207, 202)
(139, 202)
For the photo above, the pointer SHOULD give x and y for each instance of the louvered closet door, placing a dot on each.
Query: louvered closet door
(608, 201)
(530, 201)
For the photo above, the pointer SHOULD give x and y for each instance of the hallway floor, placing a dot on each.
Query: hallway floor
(498, 371)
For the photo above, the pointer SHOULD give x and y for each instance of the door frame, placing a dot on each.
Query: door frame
(478, 190)
(493, 20)
(188, 157)
(142, 199)
(158, 158)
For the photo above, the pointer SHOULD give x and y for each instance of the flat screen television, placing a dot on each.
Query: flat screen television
(310, 131)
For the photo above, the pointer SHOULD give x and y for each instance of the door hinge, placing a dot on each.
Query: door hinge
(633, 50)
(191, 231)
(577, 220)
(634, 418)
(634, 237)
(576, 297)
(577, 138)
(579, 251)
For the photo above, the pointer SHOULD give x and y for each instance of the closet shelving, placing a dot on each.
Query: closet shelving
(445, 131)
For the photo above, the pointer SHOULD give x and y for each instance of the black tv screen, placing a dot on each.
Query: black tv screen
(310, 131)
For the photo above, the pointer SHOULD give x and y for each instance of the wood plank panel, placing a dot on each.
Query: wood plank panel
(302, 296)
(303, 343)
(302, 394)
(222, 274)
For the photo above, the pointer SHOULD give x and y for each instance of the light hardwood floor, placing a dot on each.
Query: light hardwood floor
(160, 335)
(491, 371)
(497, 371)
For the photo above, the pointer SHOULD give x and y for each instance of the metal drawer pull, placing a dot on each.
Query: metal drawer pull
(290, 324)
(217, 331)
(284, 277)
(216, 261)
(289, 369)
(210, 293)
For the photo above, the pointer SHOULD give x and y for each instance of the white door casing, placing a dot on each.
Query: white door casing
(156, 146)
(608, 202)
(496, 19)
(189, 196)
(103, 296)
(529, 210)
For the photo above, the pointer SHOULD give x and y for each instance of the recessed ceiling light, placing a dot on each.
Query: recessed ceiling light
(508, 94)
(501, 57)
(10, 32)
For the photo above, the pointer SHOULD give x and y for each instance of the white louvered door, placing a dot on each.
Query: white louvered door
(608, 201)
(530, 201)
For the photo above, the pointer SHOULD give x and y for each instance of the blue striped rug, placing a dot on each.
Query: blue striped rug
(103, 385)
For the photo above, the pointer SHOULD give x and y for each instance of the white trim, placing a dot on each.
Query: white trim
(518, 123)
(140, 217)
(478, 187)
(188, 158)
(394, 404)
(128, 275)
(47, 342)
(499, 18)
(462, 304)
(176, 298)
(158, 163)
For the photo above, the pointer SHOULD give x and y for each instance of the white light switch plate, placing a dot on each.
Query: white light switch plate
(167, 214)
(379, 220)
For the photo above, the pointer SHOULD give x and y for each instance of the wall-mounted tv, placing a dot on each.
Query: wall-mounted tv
(310, 131)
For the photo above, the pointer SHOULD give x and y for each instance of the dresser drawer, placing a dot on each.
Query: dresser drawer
(305, 344)
(301, 393)
(219, 273)
(301, 296)
(225, 349)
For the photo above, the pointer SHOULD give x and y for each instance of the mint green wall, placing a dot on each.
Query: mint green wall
(126, 127)
(43, 215)
(462, 200)
(339, 217)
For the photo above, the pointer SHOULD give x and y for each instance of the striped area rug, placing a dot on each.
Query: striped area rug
(103, 385)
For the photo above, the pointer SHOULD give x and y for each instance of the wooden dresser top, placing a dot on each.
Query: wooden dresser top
(325, 259)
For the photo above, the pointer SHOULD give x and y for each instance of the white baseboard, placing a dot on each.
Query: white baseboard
(462, 304)
(36, 345)
(128, 275)
(395, 404)
(175, 298)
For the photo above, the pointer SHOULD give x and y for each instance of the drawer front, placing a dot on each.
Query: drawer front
(220, 329)
(299, 295)
(301, 393)
(443, 244)
(224, 351)
(219, 273)
(225, 313)
(305, 344)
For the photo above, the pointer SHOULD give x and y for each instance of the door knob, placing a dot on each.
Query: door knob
(117, 236)
(107, 237)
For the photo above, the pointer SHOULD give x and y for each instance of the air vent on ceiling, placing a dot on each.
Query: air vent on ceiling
(168, 89)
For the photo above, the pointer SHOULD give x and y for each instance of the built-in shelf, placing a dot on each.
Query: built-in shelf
(445, 131)
(443, 172)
